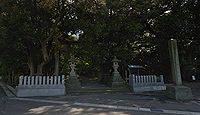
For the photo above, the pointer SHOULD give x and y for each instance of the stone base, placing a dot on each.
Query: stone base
(73, 84)
(30, 91)
(148, 88)
(118, 84)
(73, 87)
(179, 92)
(117, 81)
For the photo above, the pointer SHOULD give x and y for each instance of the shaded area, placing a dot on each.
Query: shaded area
(31, 108)
(3, 100)
(2, 93)
(156, 101)
(91, 86)
(153, 100)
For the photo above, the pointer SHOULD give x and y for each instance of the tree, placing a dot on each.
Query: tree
(37, 32)
(31, 31)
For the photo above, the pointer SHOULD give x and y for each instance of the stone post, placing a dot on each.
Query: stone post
(176, 90)
(174, 59)
(117, 81)
(73, 82)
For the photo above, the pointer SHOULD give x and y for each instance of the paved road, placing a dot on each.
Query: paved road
(16, 107)
(100, 104)
(24, 107)
(102, 108)
(158, 102)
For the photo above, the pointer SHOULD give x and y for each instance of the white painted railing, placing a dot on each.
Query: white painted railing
(41, 80)
(146, 79)
(139, 83)
(41, 86)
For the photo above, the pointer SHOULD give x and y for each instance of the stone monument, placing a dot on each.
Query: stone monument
(176, 90)
(117, 81)
(73, 82)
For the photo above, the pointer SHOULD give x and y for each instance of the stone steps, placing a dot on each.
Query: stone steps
(89, 86)
(101, 90)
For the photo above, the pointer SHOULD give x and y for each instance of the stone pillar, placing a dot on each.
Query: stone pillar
(174, 59)
(117, 81)
(73, 82)
(176, 90)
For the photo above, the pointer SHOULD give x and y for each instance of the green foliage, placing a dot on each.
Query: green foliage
(136, 31)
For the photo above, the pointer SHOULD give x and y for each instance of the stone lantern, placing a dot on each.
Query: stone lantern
(117, 81)
(72, 66)
(73, 82)
(115, 65)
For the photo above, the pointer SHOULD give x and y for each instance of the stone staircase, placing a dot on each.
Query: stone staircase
(95, 87)
(102, 90)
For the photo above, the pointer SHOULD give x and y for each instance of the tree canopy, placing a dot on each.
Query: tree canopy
(38, 35)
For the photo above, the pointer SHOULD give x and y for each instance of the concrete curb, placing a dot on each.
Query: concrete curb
(140, 109)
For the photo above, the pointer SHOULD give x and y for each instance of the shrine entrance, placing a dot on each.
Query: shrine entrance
(107, 79)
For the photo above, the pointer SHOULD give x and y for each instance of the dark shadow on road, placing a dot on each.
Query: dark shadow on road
(32, 108)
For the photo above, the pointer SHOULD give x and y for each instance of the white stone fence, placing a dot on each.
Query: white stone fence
(41, 86)
(141, 83)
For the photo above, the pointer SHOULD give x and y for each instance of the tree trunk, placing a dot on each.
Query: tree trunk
(56, 55)
(40, 68)
(45, 53)
(45, 58)
(31, 66)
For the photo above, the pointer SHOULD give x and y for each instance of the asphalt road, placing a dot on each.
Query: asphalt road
(16, 107)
